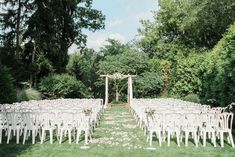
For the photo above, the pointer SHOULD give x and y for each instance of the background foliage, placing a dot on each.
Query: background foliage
(62, 86)
(219, 76)
(187, 51)
(7, 91)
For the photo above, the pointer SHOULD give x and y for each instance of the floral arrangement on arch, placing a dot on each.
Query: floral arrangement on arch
(87, 111)
(149, 111)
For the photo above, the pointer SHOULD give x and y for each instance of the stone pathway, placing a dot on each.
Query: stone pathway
(119, 129)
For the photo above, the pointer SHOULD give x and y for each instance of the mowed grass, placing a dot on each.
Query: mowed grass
(113, 138)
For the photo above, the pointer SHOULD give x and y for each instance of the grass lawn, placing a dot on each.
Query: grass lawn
(117, 136)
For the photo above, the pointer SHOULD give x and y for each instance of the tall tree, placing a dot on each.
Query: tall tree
(113, 47)
(194, 23)
(56, 25)
(48, 28)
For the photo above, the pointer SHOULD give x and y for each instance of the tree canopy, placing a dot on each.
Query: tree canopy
(186, 51)
(36, 29)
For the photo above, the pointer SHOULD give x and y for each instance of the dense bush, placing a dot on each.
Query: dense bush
(187, 75)
(192, 98)
(28, 94)
(219, 76)
(7, 90)
(84, 67)
(149, 84)
(62, 86)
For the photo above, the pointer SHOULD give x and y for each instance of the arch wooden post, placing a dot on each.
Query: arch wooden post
(128, 90)
(131, 91)
(106, 92)
(130, 97)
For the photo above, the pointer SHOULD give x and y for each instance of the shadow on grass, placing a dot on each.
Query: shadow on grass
(12, 149)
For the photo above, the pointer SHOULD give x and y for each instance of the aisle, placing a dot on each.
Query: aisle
(119, 129)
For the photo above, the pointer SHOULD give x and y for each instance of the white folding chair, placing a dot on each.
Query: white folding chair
(225, 126)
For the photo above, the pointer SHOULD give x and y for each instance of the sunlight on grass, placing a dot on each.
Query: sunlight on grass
(117, 136)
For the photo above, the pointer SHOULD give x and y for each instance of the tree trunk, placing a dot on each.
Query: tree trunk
(117, 96)
(18, 30)
(166, 73)
(31, 74)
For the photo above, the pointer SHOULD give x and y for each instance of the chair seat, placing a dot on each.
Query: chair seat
(31, 127)
(223, 130)
(83, 128)
(190, 129)
(66, 128)
(15, 127)
(48, 127)
(173, 129)
(154, 128)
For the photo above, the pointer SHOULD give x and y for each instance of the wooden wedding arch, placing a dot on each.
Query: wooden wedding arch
(118, 76)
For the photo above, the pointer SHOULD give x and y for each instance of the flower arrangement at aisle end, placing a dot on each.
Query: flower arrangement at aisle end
(87, 111)
(149, 111)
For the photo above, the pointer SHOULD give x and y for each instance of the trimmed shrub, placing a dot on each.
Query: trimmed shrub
(192, 98)
(28, 94)
(62, 86)
(7, 90)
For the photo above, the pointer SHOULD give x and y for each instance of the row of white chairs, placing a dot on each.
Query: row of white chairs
(176, 117)
(67, 117)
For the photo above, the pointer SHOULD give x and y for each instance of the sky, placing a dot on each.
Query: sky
(122, 20)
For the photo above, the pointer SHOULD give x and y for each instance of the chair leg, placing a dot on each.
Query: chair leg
(150, 138)
(6, 132)
(51, 136)
(90, 138)
(164, 136)
(195, 138)
(61, 135)
(228, 139)
(214, 138)
(0, 136)
(222, 139)
(17, 136)
(186, 138)
(73, 133)
(8, 135)
(25, 134)
(86, 137)
(69, 132)
(168, 138)
(147, 138)
(159, 138)
(178, 138)
(40, 134)
(181, 138)
(42, 138)
(231, 138)
(78, 135)
(14, 132)
(33, 136)
(204, 139)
